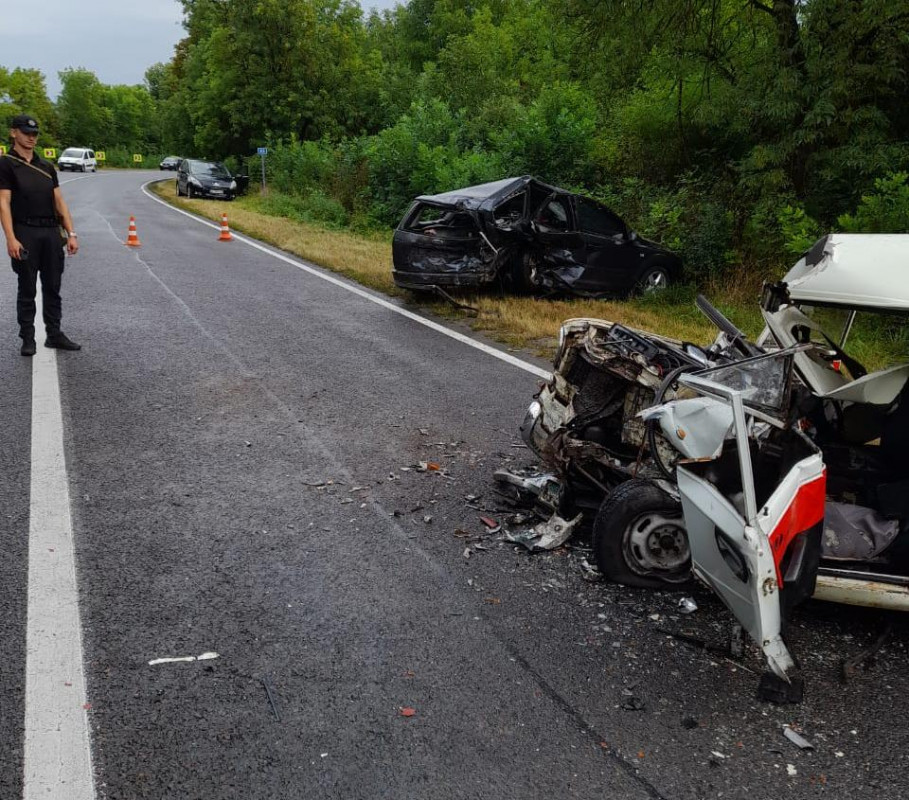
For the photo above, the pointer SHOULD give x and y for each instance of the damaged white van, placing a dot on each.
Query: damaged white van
(774, 470)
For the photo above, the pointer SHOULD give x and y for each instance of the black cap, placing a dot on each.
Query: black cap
(25, 123)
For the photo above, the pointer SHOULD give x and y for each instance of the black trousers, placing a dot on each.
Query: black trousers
(45, 256)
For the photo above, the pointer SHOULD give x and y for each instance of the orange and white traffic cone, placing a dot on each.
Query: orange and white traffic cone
(133, 239)
(225, 231)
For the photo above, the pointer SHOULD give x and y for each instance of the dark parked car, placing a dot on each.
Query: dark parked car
(528, 236)
(205, 179)
(171, 162)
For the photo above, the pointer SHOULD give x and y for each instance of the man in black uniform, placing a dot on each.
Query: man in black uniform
(32, 210)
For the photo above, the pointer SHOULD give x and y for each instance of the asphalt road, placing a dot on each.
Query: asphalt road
(242, 440)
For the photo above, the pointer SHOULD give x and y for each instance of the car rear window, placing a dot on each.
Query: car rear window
(438, 221)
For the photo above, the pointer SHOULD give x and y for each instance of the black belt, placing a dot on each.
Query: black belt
(38, 222)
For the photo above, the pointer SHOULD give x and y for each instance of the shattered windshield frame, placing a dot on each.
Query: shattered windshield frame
(765, 381)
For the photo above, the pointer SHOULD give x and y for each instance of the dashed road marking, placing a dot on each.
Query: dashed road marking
(372, 298)
(57, 747)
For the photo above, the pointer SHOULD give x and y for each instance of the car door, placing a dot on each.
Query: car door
(612, 260)
(754, 529)
(558, 245)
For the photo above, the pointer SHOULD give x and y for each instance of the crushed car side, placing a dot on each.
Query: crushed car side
(526, 236)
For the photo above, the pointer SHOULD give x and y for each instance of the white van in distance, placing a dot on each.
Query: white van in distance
(78, 159)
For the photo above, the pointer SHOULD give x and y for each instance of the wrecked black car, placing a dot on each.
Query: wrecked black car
(524, 235)
(772, 471)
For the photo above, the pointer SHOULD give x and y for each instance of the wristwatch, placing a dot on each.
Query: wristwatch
(73, 233)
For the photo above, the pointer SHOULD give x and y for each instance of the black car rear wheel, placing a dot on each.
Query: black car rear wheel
(523, 273)
(654, 278)
(639, 537)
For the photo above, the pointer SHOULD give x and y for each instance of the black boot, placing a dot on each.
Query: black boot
(28, 347)
(60, 341)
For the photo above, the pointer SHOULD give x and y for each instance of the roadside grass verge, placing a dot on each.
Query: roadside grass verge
(529, 323)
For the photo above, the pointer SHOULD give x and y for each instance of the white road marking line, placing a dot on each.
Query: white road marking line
(460, 337)
(57, 755)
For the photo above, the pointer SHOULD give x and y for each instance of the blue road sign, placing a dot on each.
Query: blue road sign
(261, 151)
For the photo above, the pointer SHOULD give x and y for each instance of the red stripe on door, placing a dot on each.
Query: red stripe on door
(804, 512)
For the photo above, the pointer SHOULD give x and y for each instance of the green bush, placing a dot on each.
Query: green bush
(297, 167)
(798, 229)
(686, 218)
(123, 159)
(421, 155)
(886, 210)
(551, 138)
(314, 206)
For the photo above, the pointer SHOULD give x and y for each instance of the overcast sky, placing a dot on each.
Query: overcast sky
(116, 39)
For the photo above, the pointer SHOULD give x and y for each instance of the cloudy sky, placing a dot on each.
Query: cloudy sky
(116, 40)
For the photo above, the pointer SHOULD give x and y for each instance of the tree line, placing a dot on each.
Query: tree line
(733, 130)
(120, 120)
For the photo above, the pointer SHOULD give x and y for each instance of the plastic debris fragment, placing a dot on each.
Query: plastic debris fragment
(796, 738)
(687, 605)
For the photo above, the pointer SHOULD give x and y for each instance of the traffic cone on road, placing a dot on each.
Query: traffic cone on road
(133, 239)
(225, 230)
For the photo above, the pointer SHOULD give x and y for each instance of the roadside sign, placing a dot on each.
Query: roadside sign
(49, 152)
(136, 158)
(2, 149)
(99, 155)
(262, 152)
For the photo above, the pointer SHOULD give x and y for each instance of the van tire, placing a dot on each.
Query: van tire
(639, 537)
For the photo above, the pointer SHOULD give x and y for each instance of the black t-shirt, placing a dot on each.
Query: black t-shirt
(32, 191)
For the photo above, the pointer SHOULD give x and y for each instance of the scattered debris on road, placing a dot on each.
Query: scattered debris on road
(491, 524)
(687, 605)
(850, 665)
(547, 535)
(796, 738)
(266, 683)
(177, 659)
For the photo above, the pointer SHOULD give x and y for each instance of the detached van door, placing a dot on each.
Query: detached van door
(755, 528)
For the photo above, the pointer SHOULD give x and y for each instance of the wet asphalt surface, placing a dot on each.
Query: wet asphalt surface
(243, 442)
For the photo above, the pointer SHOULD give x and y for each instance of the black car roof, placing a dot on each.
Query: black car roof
(485, 195)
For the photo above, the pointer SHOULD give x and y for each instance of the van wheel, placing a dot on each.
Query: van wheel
(639, 537)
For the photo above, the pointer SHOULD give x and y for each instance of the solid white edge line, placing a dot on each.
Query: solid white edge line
(57, 751)
(380, 301)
